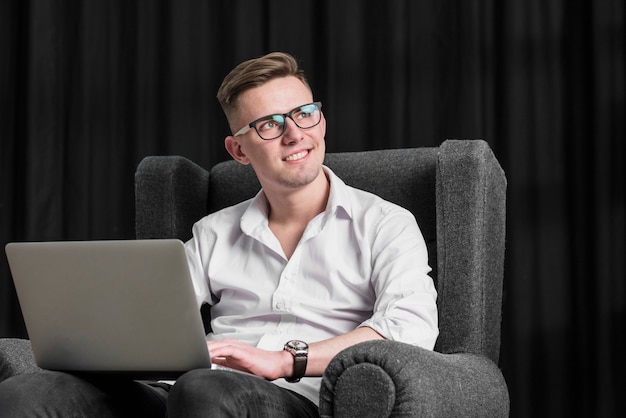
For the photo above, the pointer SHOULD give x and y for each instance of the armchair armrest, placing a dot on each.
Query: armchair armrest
(16, 357)
(170, 195)
(391, 379)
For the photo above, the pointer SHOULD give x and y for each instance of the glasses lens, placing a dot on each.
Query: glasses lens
(270, 127)
(307, 116)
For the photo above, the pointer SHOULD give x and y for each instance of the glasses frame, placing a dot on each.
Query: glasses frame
(289, 114)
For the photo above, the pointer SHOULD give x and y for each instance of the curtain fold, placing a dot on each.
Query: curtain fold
(88, 88)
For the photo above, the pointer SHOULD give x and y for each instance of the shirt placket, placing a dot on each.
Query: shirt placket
(283, 299)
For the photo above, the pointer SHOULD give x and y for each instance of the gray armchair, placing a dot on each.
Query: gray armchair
(457, 193)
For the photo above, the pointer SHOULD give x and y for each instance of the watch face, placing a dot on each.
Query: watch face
(298, 345)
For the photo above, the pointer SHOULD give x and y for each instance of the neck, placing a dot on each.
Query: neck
(299, 205)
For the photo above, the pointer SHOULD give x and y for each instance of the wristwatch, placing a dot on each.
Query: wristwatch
(300, 352)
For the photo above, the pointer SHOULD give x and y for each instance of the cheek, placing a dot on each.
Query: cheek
(259, 153)
(322, 125)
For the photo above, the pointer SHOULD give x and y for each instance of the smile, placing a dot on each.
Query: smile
(297, 156)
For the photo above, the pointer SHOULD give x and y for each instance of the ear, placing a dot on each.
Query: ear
(234, 149)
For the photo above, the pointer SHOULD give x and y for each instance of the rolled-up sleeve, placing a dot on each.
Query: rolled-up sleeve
(405, 308)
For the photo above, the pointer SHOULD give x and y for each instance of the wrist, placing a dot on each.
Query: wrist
(287, 364)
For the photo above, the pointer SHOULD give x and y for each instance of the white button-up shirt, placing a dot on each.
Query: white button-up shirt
(362, 262)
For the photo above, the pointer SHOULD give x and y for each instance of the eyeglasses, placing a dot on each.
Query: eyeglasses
(272, 126)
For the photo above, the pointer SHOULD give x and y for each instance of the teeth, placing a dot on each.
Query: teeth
(296, 156)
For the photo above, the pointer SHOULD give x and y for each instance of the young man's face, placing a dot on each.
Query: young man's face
(292, 160)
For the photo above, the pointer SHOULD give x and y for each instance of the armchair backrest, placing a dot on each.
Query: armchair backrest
(456, 192)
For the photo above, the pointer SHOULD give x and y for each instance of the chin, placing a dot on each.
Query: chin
(302, 178)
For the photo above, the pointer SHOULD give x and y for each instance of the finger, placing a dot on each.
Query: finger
(229, 350)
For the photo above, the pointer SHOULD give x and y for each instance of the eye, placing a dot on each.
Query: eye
(274, 122)
(270, 124)
(306, 111)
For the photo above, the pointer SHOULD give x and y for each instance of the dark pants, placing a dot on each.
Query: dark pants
(199, 393)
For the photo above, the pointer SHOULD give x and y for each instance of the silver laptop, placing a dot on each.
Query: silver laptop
(110, 306)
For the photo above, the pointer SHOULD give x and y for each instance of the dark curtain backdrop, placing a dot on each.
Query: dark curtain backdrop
(88, 88)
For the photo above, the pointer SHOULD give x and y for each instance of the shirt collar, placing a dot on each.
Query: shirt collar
(256, 215)
(339, 196)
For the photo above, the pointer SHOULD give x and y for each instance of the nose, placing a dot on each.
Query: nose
(292, 132)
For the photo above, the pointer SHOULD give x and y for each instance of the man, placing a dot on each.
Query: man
(308, 259)
(305, 269)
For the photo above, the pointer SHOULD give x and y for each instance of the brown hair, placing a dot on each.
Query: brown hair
(254, 73)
